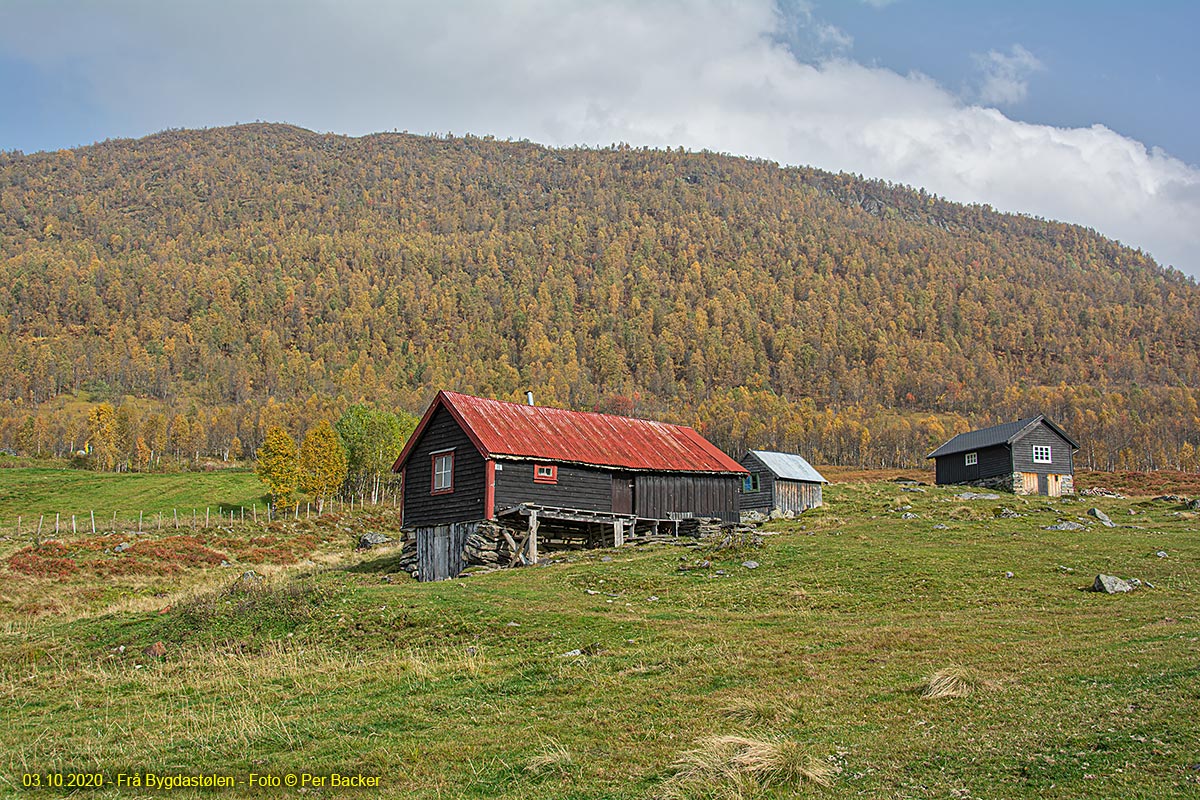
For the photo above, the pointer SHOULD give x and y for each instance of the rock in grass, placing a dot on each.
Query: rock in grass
(908, 515)
(1111, 584)
(1100, 515)
(369, 540)
(1195, 504)
(750, 564)
(1065, 525)
(977, 496)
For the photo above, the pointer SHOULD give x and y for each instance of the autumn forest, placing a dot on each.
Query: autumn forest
(208, 285)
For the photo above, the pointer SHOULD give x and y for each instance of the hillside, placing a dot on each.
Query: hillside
(263, 272)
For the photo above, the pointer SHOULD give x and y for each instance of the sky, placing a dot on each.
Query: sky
(1083, 111)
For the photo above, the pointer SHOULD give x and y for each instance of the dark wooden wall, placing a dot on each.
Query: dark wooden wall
(993, 461)
(762, 499)
(466, 501)
(657, 496)
(1063, 461)
(578, 487)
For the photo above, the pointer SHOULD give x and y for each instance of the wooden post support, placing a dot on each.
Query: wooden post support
(618, 533)
(56, 515)
(533, 531)
(93, 513)
(73, 528)
(206, 510)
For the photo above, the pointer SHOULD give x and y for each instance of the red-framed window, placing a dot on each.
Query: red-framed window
(443, 472)
(545, 473)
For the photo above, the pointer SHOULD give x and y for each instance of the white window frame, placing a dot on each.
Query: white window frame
(1043, 454)
(971, 459)
(443, 472)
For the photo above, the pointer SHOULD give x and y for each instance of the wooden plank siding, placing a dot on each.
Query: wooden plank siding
(764, 499)
(993, 462)
(796, 496)
(588, 488)
(1062, 460)
(659, 496)
(440, 549)
(421, 506)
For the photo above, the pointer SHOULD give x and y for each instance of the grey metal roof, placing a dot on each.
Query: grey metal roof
(1007, 433)
(789, 466)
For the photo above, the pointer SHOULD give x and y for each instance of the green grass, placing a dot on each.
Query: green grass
(30, 492)
(816, 658)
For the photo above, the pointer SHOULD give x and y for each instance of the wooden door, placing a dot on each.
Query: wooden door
(1029, 482)
(1054, 484)
(1043, 484)
(622, 494)
(439, 551)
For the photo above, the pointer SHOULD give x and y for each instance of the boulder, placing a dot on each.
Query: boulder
(1065, 525)
(1111, 584)
(373, 539)
(1100, 515)
(977, 496)
(750, 564)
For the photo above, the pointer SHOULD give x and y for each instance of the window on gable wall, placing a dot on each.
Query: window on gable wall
(443, 473)
(1041, 454)
(545, 473)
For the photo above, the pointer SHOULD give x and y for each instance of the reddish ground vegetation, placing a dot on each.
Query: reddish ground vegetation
(50, 560)
(1137, 484)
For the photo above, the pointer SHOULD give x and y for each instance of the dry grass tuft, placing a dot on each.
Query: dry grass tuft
(551, 759)
(756, 712)
(738, 766)
(948, 682)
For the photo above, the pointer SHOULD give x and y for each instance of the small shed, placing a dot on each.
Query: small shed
(783, 481)
(1029, 456)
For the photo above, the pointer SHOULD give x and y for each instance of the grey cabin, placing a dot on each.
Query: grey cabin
(779, 481)
(1029, 456)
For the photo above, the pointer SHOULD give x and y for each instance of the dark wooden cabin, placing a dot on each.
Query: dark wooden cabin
(473, 459)
(1029, 456)
(782, 482)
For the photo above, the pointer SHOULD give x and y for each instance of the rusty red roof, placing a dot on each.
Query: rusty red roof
(516, 430)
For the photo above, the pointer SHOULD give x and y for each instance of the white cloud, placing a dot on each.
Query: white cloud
(717, 74)
(1006, 75)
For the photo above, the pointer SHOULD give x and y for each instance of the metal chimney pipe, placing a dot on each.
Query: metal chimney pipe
(529, 398)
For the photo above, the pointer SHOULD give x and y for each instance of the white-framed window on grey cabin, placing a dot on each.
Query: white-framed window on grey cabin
(443, 472)
(972, 459)
(1042, 454)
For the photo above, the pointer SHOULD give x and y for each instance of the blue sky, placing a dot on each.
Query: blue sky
(1079, 111)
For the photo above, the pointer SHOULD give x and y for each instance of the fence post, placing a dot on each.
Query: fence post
(93, 513)
(206, 510)
(139, 522)
(114, 525)
(74, 530)
(56, 523)
(18, 526)
(175, 511)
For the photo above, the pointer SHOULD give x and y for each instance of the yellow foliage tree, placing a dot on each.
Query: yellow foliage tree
(323, 463)
(102, 436)
(277, 465)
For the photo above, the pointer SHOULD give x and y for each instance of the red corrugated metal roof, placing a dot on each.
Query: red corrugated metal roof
(554, 434)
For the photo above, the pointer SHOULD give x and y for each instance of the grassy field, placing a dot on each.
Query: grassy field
(617, 674)
(30, 492)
